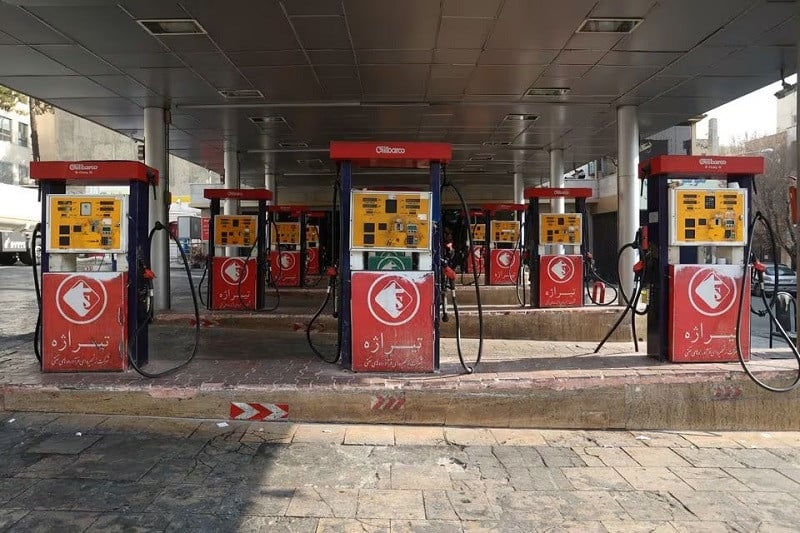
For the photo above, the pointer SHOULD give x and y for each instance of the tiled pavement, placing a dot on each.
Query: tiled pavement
(96, 473)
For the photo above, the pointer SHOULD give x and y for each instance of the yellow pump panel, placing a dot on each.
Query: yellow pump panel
(288, 233)
(566, 228)
(235, 230)
(504, 231)
(479, 233)
(312, 234)
(714, 217)
(390, 220)
(82, 223)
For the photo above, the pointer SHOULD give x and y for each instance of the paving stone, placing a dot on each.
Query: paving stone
(759, 458)
(707, 457)
(518, 437)
(180, 428)
(47, 467)
(661, 439)
(555, 457)
(513, 457)
(547, 479)
(710, 479)
(576, 526)
(83, 495)
(437, 505)
(119, 523)
(532, 505)
(754, 439)
(324, 503)
(276, 524)
(764, 479)
(270, 432)
(790, 438)
(420, 477)
(222, 500)
(320, 433)
(656, 456)
(419, 436)
(369, 435)
(705, 526)
(613, 439)
(60, 521)
(469, 436)
(591, 505)
(9, 517)
(353, 525)
(202, 523)
(421, 455)
(589, 460)
(772, 527)
(626, 526)
(559, 438)
(109, 466)
(14, 464)
(776, 508)
(595, 478)
(10, 488)
(710, 440)
(391, 504)
(610, 456)
(63, 444)
(471, 505)
(426, 526)
(647, 478)
(73, 423)
(791, 473)
(501, 526)
(718, 507)
(179, 470)
(651, 505)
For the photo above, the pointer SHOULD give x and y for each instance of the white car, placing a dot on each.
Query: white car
(787, 280)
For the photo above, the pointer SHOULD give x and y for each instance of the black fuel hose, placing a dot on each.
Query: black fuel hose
(739, 313)
(37, 331)
(330, 292)
(200, 285)
(467, 368)
(133, 343)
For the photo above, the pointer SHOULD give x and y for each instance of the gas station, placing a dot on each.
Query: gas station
(394, 219)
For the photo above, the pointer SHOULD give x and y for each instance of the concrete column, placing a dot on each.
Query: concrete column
(231, 162)
(519, 188)
(271, 183)
(155, 155)
(627, 190)
(557, 180)
(231, 207)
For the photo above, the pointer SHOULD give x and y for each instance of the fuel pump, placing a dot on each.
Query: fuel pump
(237, 281)
(94, 318)
(556, 249)
(475, 223)
(698, 219)
(389, 321)
(314, 220)
(502, 263)
(288, 245)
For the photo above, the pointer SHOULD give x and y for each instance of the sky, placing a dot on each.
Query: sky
(753, 113)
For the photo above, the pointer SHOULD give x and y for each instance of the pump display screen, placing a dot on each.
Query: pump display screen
(504, 231)
(710, 217)
(86, 224)
(288, 233)
(235, 230)
(390, 220)
(479, 233)
(563, 228)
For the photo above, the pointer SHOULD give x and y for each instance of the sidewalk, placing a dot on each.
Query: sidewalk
(97, 473)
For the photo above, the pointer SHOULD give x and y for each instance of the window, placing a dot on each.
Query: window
(6, 172)
(24, 175)
(22, 134)
(5, 129)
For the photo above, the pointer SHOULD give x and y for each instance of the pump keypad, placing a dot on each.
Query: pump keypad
(708, 217)
(81, 223)
(561, 228)
(288, 233)
(505, 231)
(390, 220)
(235, 230)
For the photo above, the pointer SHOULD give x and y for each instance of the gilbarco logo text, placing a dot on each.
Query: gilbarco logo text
(80, 167)
(389, 150)
(709, 161)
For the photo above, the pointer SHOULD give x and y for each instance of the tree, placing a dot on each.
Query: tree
(11, 99)
(771, 197)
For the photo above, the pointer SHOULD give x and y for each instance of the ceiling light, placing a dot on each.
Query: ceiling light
(547, 91)
(274, 119)
(521, 117)
(310, 162)
(609, 25)
(172, 26)
(786, 90)
(481, 157)
(241, 93)
(293, 144)
(695, 119)
(497, 143)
